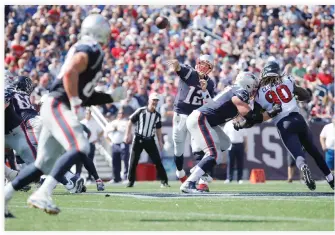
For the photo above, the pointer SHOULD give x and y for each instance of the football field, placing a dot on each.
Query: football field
(275, 205)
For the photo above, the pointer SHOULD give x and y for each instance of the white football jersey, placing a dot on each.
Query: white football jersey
(279, 93)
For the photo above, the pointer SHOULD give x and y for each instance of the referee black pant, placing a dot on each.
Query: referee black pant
(149, 145)
(235, 156)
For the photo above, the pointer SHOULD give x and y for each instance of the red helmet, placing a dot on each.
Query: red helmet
(204, 65)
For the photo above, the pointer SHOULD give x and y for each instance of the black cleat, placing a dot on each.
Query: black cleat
(331, 184)
(9, 215)
(165, 185)
(130, 184)
(25, 188)
(307, 176)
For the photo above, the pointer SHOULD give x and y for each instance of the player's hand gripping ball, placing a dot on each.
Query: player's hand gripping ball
(161, 22)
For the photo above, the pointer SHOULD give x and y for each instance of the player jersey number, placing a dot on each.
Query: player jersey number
(193, 97)
(23, 101)
(281, 95)
(89, 87)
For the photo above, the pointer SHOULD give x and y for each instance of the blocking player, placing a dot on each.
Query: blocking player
(195, 88)
(74, 87)
(33, 123)
(227, 105)
(280, 89)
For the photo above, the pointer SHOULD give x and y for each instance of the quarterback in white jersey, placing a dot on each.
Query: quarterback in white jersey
(276, 89)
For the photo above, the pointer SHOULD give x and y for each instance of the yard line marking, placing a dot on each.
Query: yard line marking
(237, 216)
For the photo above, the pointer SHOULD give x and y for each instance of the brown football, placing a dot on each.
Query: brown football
(161, 22)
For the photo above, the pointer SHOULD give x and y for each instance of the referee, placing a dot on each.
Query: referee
(147, 120)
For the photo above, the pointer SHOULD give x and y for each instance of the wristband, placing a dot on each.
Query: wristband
(75, 101)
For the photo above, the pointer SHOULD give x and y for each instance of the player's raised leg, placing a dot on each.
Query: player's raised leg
(206, 138)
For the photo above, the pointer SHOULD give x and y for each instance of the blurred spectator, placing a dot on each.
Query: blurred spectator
(240, 38)
(167, 110)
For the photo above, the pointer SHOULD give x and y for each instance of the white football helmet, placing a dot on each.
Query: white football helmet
(97, 27)
(247, 81)
(205, 64)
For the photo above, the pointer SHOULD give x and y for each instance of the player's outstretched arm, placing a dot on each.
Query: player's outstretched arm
(301, 93)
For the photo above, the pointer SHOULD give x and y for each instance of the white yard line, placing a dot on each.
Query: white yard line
(197, 214)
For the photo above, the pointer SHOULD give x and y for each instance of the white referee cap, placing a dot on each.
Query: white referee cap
(154, 96)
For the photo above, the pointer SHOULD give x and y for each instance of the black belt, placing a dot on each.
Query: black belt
(145, 137)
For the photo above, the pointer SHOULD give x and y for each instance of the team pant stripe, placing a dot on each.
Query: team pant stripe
(31, 134)
(67, 131)
(207, 135)
(32, 148)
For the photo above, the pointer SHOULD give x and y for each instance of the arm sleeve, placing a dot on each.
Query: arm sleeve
(159, 122)
(98, 98)
(135, 116)
(185, 72)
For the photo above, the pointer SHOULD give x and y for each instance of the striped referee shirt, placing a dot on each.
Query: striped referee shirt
(146, 122)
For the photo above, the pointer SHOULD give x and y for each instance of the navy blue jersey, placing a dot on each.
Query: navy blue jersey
(23, 106)
(12, 119)
(87, 79)
(189, 96)
(221, 109)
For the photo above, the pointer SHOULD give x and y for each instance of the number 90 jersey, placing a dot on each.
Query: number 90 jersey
(87, 79)
(189, 96)
(281, 93)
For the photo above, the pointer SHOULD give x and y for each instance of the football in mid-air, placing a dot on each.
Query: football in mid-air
(161, 22)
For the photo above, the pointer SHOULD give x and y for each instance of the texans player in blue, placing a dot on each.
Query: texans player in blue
(73, 87)
(227, 105)
(195, 88)
(280, 89)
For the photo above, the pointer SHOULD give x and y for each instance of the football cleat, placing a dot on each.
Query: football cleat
(9, 215)
(100, 185)
(183, 179)
(189, 187)
(309, 181)
(130, 184)
(165, 185)
(203, 188)
(331, 184)
(25, 188)
(43, 202)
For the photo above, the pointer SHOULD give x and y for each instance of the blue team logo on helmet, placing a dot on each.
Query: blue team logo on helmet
(271, 69)
(24, 84)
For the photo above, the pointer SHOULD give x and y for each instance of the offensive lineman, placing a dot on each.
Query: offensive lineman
(195, 88)
(33, 123)
(228, 104)
(277, 88)
(74, 87)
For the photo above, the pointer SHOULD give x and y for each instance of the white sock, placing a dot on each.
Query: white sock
(196, 174)
(10, 174)
(9, 191)
(48, 185)
(201, 181)
(330, 177)
(180, 174)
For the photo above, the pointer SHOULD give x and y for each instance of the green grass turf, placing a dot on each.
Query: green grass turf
(96, 212)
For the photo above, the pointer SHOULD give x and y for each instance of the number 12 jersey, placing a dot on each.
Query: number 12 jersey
(280, 93)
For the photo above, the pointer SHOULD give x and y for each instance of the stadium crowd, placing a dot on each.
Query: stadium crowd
(300, 38)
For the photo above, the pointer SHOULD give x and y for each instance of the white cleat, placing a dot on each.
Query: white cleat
(240, 182)
(43, 202)
(75, 185)
(227, 181)
(189, 187)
